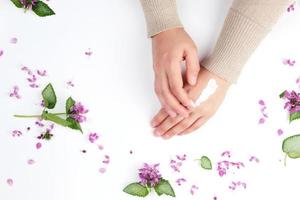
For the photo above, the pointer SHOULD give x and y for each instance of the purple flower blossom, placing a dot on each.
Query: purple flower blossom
(88, 52)
(293, 101)
(1, 52)
(41, 72)
(93, 137)
(9, 182)
(28, 3)
(291, 7)
(289, 62)
(149, 175)
(70, 83)
(180, 181)
(77, 112)
(15, 92)
(16, 133)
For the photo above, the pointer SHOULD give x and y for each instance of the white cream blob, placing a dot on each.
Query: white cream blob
(207, 92)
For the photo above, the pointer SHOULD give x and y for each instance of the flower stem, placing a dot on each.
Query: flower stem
(36, 116)
(285, 157)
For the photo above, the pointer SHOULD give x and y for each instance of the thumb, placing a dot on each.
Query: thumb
(192, 67)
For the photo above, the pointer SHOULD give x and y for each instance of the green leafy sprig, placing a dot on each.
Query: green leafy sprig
(38, 7)
(50, 99)
(140, 190)
(205, 162)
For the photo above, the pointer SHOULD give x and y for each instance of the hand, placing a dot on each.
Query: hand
(167, 127)
(170, 48)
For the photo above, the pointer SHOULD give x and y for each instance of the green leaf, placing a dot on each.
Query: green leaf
(42, 9)
(164, 187)
(291, 146)
(55, 119)
(294, 116)
(136, 189)
(17, 3)
(205, 163)
(69, 104)
(49, 96)
(74, 124)
(282, 94)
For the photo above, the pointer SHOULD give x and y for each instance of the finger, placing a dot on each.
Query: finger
(196, 125)
(159, 118)
(159, 93)
(192, 66)
(174, 77)
(181, 126)
(166, 125)
(171, 101)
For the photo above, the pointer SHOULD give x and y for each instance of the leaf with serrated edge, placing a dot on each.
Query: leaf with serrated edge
(42, 9)
(291, 146)
(136, 189)
(74, 124)
(164, 187)
(294, 116)
(17, 3)
(49, 96)
(205, 163)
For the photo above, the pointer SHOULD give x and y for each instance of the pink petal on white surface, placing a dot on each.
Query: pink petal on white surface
(279, 132)
(30, 161)
(13, 40)
(38, 145)
(9, 182)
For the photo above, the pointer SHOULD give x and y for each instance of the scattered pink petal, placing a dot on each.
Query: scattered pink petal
(261, 120)
(279, 132)
(253, 158)
(38, 145)
(102, 170)
(70, 83)
(291, 7)
(1, 52)
(226, 153)
(180, 181)
(13, 40)
(261, 102)
(41, 72)
(39, 123)
(10, 182)
(225, 165)
(30, 162)
(176, 164)
(15, 92)
(289, 62)
(106, 159)
(16, 133)
(234, 185)
(88, 52)
(193, 188)
(100, 147)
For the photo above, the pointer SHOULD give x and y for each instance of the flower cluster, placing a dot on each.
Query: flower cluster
(293, 101)
(149, 174)
(78, 111)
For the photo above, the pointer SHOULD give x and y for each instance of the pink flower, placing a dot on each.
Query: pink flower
(1, 52)
(234, 185)
(41, 73)
(180, 181)
(149, 174)
(279, 132)
(102, 170)
(70, 83)
(226, 153)
(16, 133)
(193, 188)
(78, 111)
(253, 158)
(30, 162)
(93, 137)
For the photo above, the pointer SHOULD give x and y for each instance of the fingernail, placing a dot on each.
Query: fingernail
(193, 80)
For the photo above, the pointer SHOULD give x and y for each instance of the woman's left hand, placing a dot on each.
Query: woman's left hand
(167, 127)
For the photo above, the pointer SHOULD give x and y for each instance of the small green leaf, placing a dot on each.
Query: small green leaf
(291, 146)
(55, 119)
(164, 187)
(17, 3)
(294, 116)
(49, 96)
(69, 104)
(136, 189)
(205, 163)
(42, 9)
(282, 94)
(74, 124)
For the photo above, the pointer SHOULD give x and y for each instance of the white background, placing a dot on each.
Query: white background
(116, 84)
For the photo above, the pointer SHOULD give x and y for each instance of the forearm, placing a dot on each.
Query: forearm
(160, 15)
(246, 25)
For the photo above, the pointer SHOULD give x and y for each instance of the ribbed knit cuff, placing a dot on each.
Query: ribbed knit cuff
(160, 15)
(239, 38)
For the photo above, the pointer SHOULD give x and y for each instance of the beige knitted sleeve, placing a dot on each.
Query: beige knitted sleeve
(160, 15)
(246, 24)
